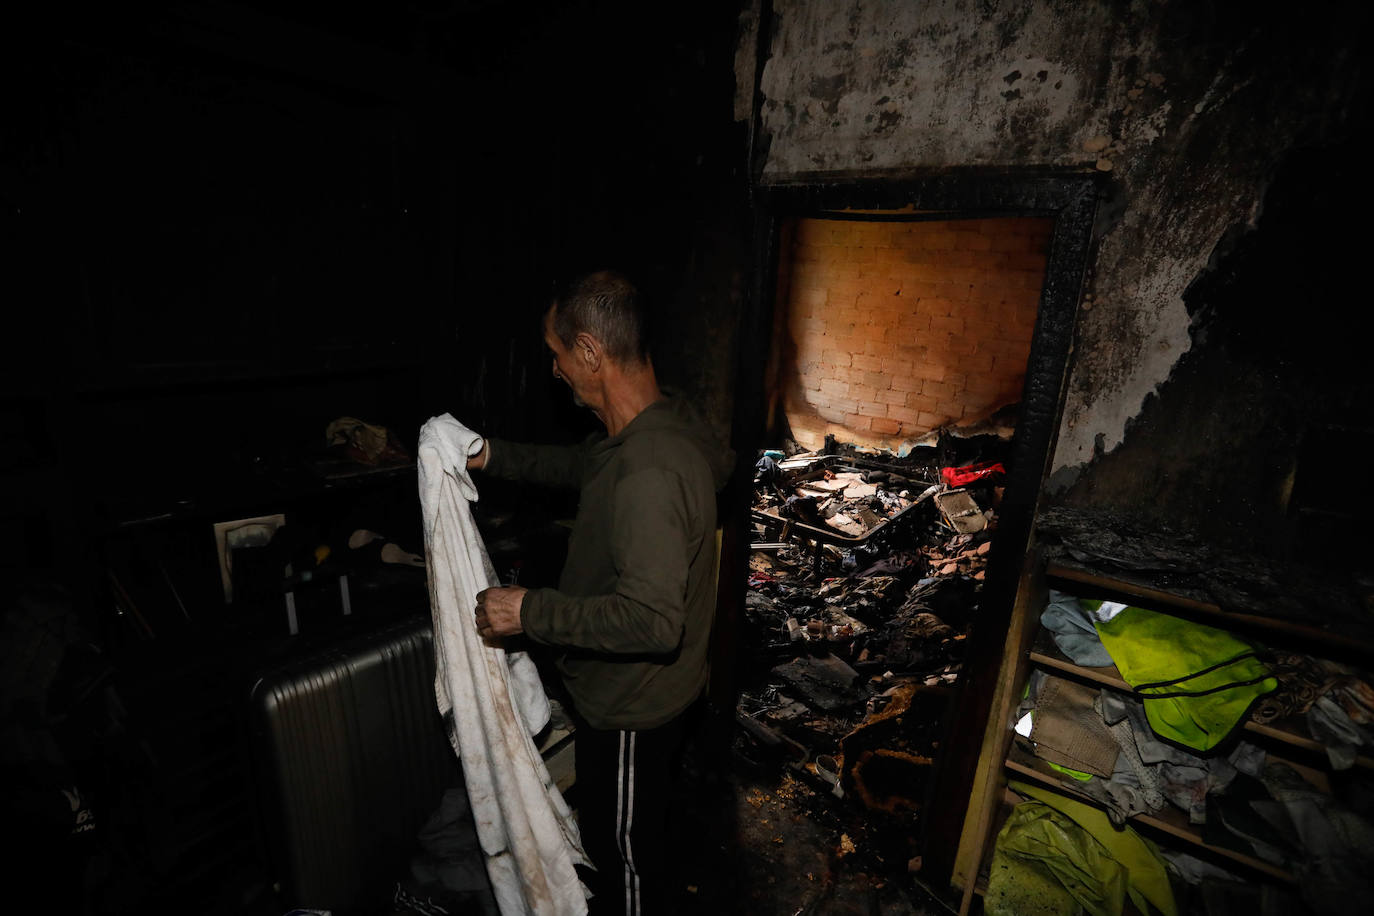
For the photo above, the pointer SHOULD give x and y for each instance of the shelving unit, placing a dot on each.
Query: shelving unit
(1328, 643)
(1170, 822)
(1043, 654)
(1029, 647)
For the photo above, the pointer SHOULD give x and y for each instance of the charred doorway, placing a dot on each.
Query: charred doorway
(891, 327)
(900, 386)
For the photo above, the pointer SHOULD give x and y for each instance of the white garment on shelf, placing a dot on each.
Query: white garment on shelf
(526, 829)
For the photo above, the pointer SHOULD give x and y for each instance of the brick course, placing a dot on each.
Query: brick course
(899, 328)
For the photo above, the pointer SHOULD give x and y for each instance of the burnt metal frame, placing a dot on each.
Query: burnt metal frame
(1070, 199)
(819, 537)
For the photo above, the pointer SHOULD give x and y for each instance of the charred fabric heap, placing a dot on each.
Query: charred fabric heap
(864, 578)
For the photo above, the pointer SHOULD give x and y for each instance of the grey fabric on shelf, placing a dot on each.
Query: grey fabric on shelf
(1183, 778)
(1193, 870)
(1073, 631)
(1330, 724)
(1033, 686)
(1134, 787)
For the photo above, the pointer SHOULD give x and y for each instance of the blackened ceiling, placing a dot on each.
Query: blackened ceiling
(230, 222)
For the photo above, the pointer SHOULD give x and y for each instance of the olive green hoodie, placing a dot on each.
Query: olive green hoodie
(633, 609)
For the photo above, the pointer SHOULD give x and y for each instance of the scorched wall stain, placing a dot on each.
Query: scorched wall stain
(1184, 108)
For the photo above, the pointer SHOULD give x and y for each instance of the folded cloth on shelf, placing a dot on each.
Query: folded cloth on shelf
(1197, 682)
(1073, 631)
(496, 699)
(1329, 723)
(1182, 777)
(1193, 870)
(1122, 797)
(1134, 786)
(1067, 730)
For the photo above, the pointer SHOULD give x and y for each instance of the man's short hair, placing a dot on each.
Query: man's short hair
(606, 305)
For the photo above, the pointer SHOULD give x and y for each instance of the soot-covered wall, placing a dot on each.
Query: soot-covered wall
(1223, 135)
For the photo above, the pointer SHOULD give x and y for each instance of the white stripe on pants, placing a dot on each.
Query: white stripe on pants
(624, 819)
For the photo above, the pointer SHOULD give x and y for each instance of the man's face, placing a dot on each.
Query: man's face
(566, 366)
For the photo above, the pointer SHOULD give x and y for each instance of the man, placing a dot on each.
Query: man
(631, 617)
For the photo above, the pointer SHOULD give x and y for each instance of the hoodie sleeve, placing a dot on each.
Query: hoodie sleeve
(549, 465)
(652, 547)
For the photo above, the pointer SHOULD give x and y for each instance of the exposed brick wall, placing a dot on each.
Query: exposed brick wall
(894, 329)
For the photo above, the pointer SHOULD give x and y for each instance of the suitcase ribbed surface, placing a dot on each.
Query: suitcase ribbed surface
(356, 759)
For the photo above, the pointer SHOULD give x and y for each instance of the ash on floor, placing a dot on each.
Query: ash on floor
(768, 841)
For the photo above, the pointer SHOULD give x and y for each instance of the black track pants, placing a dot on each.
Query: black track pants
(624, 783)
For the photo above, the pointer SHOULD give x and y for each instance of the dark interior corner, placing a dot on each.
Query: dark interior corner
(1270, 394)
(250, 248)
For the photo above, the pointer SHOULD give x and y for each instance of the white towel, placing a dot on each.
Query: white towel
(526, 829)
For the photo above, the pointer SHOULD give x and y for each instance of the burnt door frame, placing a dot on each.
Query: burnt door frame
(1069, 198)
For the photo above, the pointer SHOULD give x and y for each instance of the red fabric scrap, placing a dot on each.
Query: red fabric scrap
(958, 477)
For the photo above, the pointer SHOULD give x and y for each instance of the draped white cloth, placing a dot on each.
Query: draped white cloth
(526, 829)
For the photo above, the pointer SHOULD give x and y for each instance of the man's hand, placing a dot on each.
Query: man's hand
(479, 460)
(498, 611)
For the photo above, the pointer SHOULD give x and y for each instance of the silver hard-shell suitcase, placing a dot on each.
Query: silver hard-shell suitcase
(353, 758)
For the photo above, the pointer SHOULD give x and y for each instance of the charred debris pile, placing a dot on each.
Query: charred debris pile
(865, 574)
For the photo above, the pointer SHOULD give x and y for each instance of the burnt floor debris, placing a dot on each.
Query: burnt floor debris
(864, 579)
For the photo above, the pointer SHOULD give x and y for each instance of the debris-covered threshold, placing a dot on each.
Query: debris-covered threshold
(865, 574)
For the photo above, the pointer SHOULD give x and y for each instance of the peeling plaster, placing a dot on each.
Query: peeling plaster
(745, 64)
(1134, 349)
